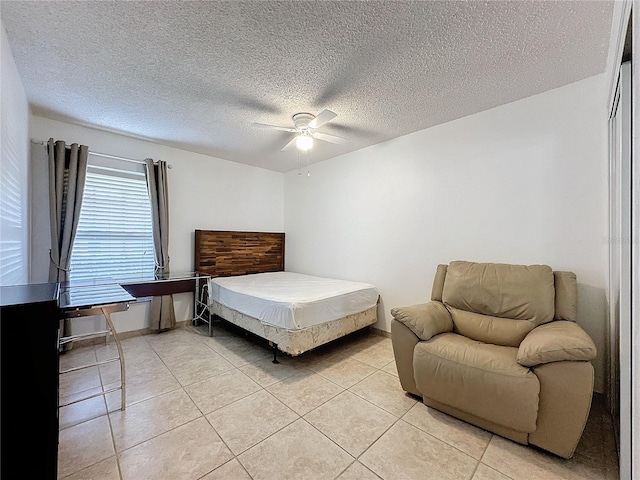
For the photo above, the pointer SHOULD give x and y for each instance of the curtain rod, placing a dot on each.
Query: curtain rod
(42, 142)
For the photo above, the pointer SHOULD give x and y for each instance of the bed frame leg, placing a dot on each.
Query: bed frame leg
(275, 352)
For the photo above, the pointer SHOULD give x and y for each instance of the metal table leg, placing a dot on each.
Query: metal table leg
(123, 386)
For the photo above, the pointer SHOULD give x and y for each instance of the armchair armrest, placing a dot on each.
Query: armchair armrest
(556, 341)
(425, 320)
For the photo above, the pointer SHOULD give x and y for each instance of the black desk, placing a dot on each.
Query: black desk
(29, 381)
(170, 283)
(164, 284)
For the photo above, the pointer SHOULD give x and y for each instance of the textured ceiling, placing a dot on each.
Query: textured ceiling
(197, 75)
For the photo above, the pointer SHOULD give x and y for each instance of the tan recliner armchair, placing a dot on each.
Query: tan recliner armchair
(498, 347)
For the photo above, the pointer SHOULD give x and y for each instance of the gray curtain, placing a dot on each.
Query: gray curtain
(162, 313)
(67, 176)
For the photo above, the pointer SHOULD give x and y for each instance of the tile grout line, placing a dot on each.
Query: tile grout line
(356, 458)
(113, 442)
(445, 441)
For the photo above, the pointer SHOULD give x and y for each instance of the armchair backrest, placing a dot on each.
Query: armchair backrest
(501, 303)
(566, 285)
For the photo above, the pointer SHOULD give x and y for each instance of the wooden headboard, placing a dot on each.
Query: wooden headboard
(223, 253)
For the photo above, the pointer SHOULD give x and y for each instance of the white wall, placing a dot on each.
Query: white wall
(204, 193)
(521, 183)
(14, 165)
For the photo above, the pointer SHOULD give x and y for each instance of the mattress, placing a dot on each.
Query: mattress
(292, 301)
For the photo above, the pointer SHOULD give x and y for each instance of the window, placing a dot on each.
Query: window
(114, 238)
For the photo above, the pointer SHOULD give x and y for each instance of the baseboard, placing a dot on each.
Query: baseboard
(121, 335)
(381, 333)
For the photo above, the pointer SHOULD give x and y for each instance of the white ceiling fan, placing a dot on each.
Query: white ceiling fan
(305, 129)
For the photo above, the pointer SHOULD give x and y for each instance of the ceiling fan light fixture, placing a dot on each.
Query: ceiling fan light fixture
(304, 130)
(304, 142)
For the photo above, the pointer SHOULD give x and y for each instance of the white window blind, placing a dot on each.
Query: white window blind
(13, 237)
(114, 238)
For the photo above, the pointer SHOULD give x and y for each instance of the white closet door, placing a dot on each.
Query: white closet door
(634, 413)
(620, 273)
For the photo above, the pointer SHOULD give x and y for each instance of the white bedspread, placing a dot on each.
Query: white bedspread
(292, 300)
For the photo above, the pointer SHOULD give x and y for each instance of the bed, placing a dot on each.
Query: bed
(294, 312)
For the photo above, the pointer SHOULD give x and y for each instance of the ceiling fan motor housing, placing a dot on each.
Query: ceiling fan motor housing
(301, 120)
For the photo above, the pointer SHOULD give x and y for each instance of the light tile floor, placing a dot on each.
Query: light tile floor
(208, 408)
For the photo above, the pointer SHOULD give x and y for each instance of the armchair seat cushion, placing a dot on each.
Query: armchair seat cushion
(482, 379)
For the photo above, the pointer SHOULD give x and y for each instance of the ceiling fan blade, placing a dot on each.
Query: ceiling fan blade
(329, 138)
(275, 127)
(290, 145)
(322, 118)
